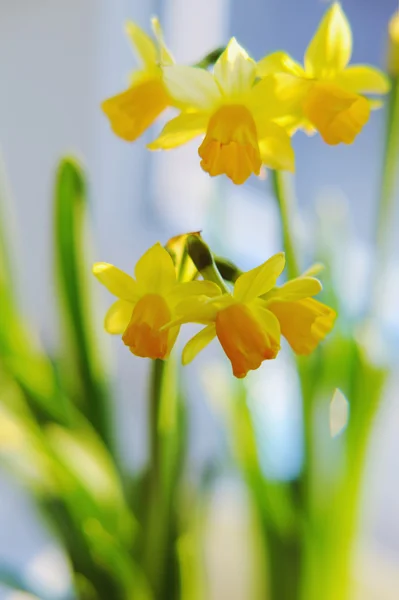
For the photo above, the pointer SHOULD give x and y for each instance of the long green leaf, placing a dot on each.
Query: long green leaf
(84, 375)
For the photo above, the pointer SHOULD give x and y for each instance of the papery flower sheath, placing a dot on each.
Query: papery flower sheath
(249, 321)
(326, 94)
(235, 113)
(131, 112)
(145, 304)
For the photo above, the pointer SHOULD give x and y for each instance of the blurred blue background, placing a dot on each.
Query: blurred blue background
(58, 61)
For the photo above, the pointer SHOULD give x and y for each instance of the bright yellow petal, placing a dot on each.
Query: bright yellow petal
(191, 87)
(155, 271)
(258, 281)
(296, 289)
(362, 79)
(133, 111)
(304, 323)
(234, 70)
(275, 146)
(195, 310)
(268, 322)
(117, 282)
(198, 343)
(279, 62)
(118, 316)
(165, 55)
(180, 130)
(331, 47)
(142, 44)
(192, 289)
(278, 96)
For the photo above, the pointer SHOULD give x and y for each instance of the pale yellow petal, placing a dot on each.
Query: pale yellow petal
(331, 47)
(165, 55)
(198, 343)
(118, 317)
(275, 147)
(142, 44)
(134, 110)
(279, 62)
(313, 270)
(155, 271)
(296, 289)
(304, 323)
(191, 290)
(191, 87)
(258, 281)
(117, 282)
(362, 79)
(180, 130)
(195, 310)
(234, 70)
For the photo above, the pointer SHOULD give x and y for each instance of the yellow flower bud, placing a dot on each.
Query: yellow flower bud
(393, 49)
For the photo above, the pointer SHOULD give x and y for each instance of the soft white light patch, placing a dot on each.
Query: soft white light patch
(339, 413)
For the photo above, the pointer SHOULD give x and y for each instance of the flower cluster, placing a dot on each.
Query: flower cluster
(248, 320)
(248, 111)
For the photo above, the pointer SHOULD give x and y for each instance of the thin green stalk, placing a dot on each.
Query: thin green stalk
(389, 172)
(159, 553)
(284, 193)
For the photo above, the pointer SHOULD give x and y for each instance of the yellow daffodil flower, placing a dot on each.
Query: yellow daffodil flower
(326, 94)
(249, 322)
(147, 303)
(235, 113)
(134, 110)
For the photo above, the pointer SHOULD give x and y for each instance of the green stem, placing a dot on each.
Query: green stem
(284, 193)
(159, 529)
(389, 173)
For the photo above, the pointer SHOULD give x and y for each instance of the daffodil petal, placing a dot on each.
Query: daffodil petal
(279, 62)
(313, 270)
(258, 281)
(304, 323)
(195, 310)
(142, 44)
(192, 289)
(331, 47)
(269, 323)
(191, 87)
(117, 282)
(362, 79)
(165, 55)
(180, 130)
(118, 317)
(234, 70)
(155, 271)
(198, 343)
(134, 110)
(275, 146)
(296, 289)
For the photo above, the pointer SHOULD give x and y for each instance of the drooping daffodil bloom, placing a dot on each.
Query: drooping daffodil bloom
(235, 113)
(148, 302)
(326, 94)
(249, 321)
(131, 112)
